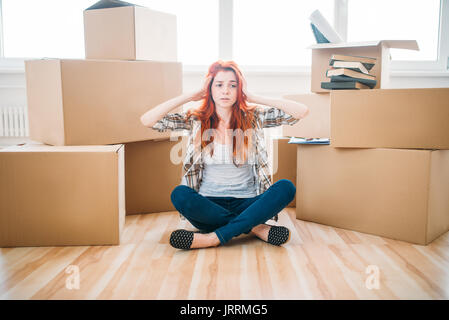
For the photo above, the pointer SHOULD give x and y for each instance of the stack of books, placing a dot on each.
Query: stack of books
(350, 72)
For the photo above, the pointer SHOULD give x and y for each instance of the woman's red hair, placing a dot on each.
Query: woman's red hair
(241, 117)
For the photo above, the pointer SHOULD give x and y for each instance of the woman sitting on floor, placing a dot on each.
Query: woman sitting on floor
(226, 188)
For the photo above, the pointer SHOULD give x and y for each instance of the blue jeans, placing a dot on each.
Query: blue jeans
(229, 217)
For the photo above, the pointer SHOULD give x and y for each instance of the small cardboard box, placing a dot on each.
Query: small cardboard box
(322, 53)
(153, 170)
(390, 118)
(284, 162)
(395, 193)
(96, 102)
(317, 122)
(55, 196)
(130, 33)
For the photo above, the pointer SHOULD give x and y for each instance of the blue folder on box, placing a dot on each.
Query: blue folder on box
(309, 140)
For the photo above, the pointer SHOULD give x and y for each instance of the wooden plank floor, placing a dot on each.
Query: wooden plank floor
(319, 262)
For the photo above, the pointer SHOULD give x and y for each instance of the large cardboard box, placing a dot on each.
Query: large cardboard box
(390, 118)
(130, 33)
(284, 162)
(317, 122)
(96, 102)
(153, 170)
(322, 53)
(54, 196)
(394, 193)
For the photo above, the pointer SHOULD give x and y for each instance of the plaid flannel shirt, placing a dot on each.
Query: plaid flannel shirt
(193, 164)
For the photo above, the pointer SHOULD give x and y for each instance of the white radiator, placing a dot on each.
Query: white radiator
(13, 121)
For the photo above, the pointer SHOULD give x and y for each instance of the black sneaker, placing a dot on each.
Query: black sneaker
(278, 235)
(181, 239)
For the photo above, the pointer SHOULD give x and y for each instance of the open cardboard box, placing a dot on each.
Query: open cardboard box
(61, 195)
(130, 33)
(96, 102)
(322, 53)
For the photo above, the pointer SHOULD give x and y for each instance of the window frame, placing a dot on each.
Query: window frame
(225, 45)
(412, 66)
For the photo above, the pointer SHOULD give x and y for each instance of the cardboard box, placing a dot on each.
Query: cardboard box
(284, 162)
(322, 53)
(394, 193)
(55, 196)
(317, 122)
(130, 33)
(153, 170)
(96, 102)
(390, 118)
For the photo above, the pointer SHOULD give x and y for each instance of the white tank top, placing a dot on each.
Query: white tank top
(221, 178)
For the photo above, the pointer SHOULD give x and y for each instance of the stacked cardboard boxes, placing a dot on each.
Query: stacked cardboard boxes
(386, 170)
(93, 161)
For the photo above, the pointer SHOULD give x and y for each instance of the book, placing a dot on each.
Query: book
(367, 62)
(318, 35)
(324, 27)
(296, 140)
(343, 85)
(353, 65)
(349, 73)
(369, 83)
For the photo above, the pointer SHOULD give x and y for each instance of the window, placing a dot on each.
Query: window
(276, 33)
(262, 34)
(399, 19)
(46, 28)
(197, 27)
(54, 28)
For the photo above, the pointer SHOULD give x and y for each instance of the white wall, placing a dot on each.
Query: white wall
(12, 88)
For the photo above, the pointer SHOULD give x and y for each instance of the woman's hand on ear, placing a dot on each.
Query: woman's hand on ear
(201, 94)
(248, 95)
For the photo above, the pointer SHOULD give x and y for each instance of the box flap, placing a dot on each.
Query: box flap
(43, 59)
(399, 44)
(402, 44)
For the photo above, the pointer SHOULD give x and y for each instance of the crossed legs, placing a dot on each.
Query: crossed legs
(222, 219)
